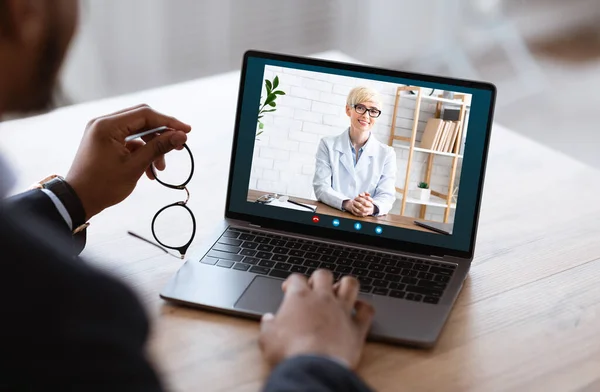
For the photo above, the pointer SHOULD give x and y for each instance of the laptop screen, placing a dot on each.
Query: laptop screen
(378, 157)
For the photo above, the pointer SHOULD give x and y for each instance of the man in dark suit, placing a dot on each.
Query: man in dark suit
(65, 325)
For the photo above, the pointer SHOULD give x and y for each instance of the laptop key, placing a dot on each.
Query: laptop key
(296, 260)
(356, 256)
(265, 247)
(365, 280)
(387, 261)
(425, 275)
(421, 267)
(251, 260)
(392, 278)
(392, 270)
(380, 291)
(404, 264)
(308, 248)
(312, 256)
(266, 263)
(283, 266)
(264, 255)
(408, 280)
(259, 270)
(279, 258)
(248, 252)
(441, 278)
(294, 245)
(209, 260)
(226, 248)
(441, 271)
(298, 268)
(431, 300)
(278, 242)
(328, 258)
(225, 263)
(229, 241)
(397, 286)
(372, 259)
(246, 237)
(231, 234)
(280, 273)
(376, 274)
(340, 253)
(329, 266)
(296, 252)
(380, 283)
(241, 266)
(414, 297)
(359, 272)
(424, 291)
(250, 245)
(376, 267)
(344, 269)
(343, 261)
(224, 255)
(281, 250)
(409, 273)
(262, 240)
(360, 264)
(365, 288)
(397, 293)
(312, 263)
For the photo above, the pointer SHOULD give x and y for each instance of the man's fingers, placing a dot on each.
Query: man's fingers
(321, 280)
(294, 283)
(160, 145)
(348, 292)
(135, 120)
(363, 317)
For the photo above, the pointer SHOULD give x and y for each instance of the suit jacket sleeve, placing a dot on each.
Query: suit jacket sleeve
(313, 374)
(36, 203)
(322, 179)
(66, 326)
(385, 193)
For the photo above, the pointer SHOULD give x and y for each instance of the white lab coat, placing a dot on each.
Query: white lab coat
(337, 179)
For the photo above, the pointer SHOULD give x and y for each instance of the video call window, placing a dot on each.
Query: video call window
(331, 145)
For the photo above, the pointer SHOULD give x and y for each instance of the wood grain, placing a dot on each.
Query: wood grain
(526, 320)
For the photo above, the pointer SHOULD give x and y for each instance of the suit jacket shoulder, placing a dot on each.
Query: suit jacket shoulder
(68, 326)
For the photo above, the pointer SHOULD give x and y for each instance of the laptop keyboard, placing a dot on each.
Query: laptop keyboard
(378, 273)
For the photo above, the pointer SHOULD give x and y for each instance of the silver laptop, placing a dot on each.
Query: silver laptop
(292, 149)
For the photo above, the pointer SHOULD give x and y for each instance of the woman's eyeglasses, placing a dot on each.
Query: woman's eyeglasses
(176, 215)
(362, 109)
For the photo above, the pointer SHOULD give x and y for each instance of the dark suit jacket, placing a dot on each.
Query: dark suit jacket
(66, 326)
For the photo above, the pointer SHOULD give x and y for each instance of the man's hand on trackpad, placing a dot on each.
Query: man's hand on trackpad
(317, 317)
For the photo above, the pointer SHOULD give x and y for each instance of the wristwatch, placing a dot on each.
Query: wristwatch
(66, 194)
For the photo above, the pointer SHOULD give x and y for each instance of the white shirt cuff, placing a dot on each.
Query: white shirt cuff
(60, 207)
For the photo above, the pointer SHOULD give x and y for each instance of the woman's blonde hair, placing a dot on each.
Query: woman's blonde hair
(362, 94)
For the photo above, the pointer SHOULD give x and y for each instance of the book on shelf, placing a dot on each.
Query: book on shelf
(443, 137)
(455, 138)
(431, 133)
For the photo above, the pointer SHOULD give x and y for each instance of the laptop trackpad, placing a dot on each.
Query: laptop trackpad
(262, 296)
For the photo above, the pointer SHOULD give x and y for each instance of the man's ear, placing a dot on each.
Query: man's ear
(23, 21)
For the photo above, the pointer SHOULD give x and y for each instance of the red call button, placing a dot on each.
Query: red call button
(315, 219)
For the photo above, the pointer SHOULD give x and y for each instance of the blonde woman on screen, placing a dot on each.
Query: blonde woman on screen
(355, 172)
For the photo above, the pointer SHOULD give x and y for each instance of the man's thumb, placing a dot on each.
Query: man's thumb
(160, 145)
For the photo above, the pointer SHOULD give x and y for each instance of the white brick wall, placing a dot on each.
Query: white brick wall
(313, 107)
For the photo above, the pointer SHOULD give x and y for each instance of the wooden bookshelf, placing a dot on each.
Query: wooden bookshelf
(441, 200)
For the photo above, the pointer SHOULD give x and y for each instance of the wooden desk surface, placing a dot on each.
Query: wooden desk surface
(528, 316)
(324, 209)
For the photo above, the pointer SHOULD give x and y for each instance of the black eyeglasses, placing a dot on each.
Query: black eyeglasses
(362, 109)
(177, 214)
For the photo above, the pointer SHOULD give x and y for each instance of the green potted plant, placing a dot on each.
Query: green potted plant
(423, 192)
(269, 104)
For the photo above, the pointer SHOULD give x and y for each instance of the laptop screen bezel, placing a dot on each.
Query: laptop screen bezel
(328, 233)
